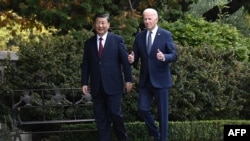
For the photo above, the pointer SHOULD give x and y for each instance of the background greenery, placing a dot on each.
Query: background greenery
(211, 77)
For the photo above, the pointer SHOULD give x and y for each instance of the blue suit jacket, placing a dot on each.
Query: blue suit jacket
(113, 68)
(158, 71)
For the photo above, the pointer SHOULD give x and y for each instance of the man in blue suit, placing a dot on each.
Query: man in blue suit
(156, 50)
(105, 65)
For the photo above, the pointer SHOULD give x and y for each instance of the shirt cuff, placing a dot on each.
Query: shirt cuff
(163, 58)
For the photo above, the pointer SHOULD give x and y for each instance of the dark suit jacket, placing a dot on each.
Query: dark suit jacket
(113, 68)
(158, 71)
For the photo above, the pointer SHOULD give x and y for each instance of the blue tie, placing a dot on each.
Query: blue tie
(149, 42)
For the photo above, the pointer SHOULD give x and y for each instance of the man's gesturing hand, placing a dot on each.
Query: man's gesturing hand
(131, 57)
(160, 55)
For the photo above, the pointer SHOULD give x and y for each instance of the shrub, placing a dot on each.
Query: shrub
(196, 32)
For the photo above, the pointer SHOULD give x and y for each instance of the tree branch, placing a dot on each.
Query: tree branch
(230, 8)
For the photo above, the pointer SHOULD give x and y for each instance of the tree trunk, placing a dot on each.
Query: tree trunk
(230, 8)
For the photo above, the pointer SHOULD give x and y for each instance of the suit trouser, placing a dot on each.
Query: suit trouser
(107, 111)
(146, 95)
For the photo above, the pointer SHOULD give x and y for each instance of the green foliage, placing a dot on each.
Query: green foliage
(198, 32)
(239, 19)
(208, 84)
(4, 38)
(53, 61)
(15, 29)
(126, 30)
(54, 17)
(5, 131)
(211, 130)
(210, 77)
(211, 72)
(77, 14)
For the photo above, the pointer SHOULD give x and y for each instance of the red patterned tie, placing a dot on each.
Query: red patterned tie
(100, 47)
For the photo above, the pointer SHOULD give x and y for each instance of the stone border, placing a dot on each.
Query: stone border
(13, 55)
(4, 55)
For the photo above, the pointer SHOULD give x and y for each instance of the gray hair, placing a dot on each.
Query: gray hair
(151, 10)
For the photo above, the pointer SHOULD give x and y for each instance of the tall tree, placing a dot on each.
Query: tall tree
(229, 8)
(77, 14)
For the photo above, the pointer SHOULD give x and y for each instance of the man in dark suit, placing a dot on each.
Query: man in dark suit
(156, 50)
(105, 64)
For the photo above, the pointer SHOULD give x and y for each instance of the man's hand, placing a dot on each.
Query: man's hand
(160, 55)
(128, 86)
(85, 89)
(131, 57)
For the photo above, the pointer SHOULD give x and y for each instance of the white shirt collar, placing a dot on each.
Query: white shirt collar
(103, 37)
(155, 30)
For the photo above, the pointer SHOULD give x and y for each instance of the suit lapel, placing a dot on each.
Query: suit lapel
(156, 40)
(106, 45)
(144, 41)
(95, 46)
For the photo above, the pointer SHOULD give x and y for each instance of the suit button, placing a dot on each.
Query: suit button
(100, 62)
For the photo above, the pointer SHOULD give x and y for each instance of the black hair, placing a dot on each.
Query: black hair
(102, 15)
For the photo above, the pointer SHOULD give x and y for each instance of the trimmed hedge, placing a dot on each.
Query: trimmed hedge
(207, 130)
